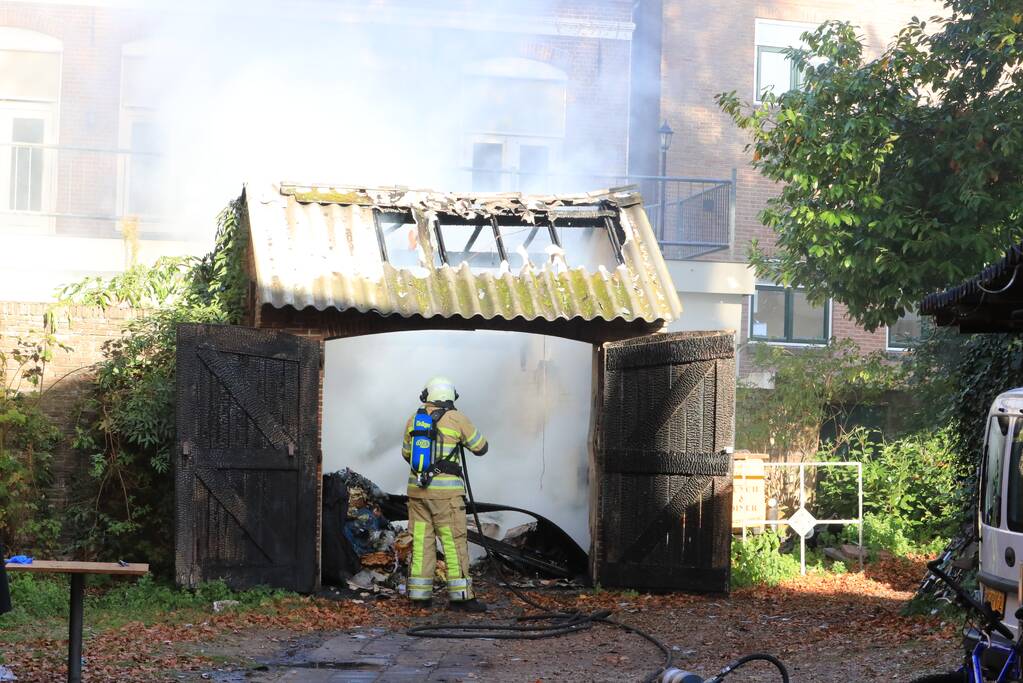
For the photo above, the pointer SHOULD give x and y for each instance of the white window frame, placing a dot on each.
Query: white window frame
(128, 115)
(511, 146)
(44, 220)
(828, 320)
(776, 34)
(511, 143)
(888, 339)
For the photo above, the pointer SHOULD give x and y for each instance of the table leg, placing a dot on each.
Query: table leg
(74, 646)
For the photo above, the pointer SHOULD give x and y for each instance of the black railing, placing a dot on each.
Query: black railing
(691, 217)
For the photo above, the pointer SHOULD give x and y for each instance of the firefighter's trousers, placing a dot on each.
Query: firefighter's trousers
(430, 519)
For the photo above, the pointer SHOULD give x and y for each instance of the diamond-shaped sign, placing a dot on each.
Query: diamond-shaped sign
(802, 522)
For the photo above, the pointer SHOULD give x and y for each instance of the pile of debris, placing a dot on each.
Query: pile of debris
(365, 551)
(362, 549)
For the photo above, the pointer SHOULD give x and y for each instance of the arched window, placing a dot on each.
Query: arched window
(514, 120)
(30, 64)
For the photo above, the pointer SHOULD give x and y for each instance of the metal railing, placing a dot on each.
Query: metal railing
(95, 192)
(691, 217)
(77, 190)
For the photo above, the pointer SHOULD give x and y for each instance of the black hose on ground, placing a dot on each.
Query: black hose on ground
(550, 624)
(742, 661)
(545, 623)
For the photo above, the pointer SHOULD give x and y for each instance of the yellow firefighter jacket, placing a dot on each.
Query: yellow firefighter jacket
(454, 428)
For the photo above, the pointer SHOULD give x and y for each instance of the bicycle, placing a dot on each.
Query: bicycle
(992, 652)
(957, 556)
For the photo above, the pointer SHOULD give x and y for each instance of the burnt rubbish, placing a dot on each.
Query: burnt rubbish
(364, 550)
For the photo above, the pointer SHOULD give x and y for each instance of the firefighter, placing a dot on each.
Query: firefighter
(436, 506)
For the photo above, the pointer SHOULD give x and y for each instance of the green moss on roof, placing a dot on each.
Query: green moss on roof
(330, 196)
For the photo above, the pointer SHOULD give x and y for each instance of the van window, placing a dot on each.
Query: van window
(1014, 500)
(994, 456)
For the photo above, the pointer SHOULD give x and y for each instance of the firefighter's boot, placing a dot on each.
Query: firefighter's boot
(473, 606)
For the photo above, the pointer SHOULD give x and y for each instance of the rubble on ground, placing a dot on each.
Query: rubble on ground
(366, 552)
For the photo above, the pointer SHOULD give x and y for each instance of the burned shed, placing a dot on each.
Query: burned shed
(354, 261)
(336, 262)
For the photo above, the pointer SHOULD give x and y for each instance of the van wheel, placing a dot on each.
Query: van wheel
(953, 677)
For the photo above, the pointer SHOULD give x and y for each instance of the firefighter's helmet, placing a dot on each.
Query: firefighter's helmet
(439, 390)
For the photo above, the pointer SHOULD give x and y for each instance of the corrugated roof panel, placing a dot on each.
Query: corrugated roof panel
(321, 248)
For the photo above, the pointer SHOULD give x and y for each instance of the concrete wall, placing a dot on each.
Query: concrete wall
(713, 294)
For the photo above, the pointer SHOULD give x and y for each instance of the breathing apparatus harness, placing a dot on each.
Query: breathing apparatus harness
(427, 459)
(548, 623)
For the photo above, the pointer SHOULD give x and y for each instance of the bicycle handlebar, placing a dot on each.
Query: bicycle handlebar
(992, 617)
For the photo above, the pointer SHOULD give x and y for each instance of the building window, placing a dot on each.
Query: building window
(906, 332)
(139, 183)
(775, 72)
(511, 145)
(779, 314)
(27, 164)
(30, 65)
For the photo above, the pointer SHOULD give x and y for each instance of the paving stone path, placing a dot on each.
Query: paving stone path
(383, 657)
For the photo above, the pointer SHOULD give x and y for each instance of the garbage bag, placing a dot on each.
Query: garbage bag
(339, 559)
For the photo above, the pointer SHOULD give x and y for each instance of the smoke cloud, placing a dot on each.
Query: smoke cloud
(315, 93)
(528, 394)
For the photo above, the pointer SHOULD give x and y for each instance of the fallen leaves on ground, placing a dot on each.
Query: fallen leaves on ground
(816, 612)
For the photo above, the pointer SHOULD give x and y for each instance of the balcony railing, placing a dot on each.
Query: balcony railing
(78, 190)
(96, 192)
(691, 217)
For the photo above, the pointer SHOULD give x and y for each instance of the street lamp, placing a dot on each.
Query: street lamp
(665, 132)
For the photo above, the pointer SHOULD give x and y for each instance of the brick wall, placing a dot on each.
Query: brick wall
(67, 378)
(709, 48)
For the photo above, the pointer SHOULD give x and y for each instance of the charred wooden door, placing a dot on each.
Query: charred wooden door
(662, 498)
(247, 464)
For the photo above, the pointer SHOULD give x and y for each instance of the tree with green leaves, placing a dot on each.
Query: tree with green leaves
(899, 175)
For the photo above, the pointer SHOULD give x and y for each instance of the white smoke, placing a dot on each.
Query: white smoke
(528, 394)
(309, 92)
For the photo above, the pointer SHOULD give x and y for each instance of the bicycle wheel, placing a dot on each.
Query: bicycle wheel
(951, 677)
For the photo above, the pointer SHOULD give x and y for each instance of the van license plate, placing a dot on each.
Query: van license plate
(996, 598)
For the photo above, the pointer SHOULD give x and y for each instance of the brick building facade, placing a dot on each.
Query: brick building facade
(710, 48)
(564, 95)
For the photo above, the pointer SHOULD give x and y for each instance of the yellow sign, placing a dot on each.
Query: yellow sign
(749, 501)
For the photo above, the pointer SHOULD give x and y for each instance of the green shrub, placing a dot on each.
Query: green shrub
(812, 387)
(27, 440)
(40, 597)
(756, 561)
(125, 508)
(909, 488)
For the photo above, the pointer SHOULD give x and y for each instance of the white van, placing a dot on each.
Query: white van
(1001, 507)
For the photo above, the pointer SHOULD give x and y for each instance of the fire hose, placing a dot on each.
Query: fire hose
(547, 623)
